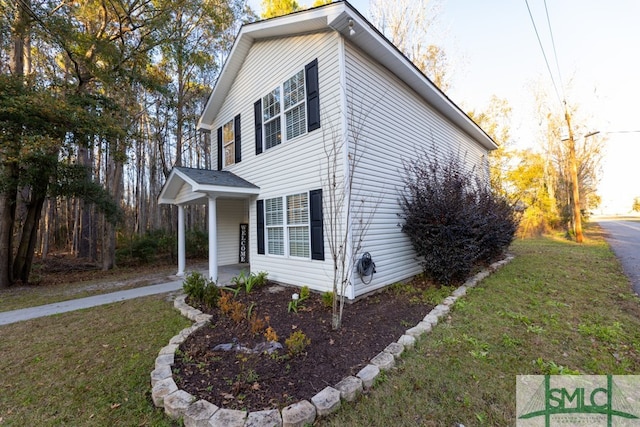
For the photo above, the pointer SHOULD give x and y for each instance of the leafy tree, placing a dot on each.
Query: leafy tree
(317, 3)
(495, 121)
(38, 123)
(409, 24)
(527, 185)
(273, 8)
(636, 204)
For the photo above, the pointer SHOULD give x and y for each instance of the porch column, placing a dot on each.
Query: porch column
(181, 250)
(213, 240)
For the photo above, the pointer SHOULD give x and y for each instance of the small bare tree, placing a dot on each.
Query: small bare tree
(345, 241)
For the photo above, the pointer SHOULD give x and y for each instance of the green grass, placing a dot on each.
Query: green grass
(86, 368)
(557, 308)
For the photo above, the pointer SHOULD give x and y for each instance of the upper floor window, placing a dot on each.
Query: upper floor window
(228, 140)
(294, 103)
(229, 143)
(292, 107)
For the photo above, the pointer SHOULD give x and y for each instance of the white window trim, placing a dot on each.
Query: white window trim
(285, 227)
(282, 114)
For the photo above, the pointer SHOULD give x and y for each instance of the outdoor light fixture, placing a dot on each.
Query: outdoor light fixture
(352, 32)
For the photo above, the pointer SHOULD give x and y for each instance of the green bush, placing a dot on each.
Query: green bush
(144, 249)
(201, 290)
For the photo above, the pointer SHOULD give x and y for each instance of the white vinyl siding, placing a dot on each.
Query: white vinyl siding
(393, 131)
(230, 214)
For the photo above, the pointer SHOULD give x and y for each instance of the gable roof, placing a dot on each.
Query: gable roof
(203, 182)
(337, 16)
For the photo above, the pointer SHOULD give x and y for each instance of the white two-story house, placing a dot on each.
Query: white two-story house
(303, 98)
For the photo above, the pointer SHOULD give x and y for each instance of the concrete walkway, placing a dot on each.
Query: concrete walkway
(81, 303)
(226, 273)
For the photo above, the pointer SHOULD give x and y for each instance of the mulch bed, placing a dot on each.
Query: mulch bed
(258, 381)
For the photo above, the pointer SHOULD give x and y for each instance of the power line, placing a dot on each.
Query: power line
(544, 54)
(555, 54)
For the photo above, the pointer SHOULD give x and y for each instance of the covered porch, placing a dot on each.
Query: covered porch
(227, 197)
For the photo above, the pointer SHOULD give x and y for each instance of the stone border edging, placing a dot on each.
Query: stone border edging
(180, 404)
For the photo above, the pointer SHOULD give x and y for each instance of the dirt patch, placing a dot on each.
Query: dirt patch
(256, 381)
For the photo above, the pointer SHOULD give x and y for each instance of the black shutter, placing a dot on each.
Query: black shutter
(236, 134)
(257, 113)
(260, 225)
(220, 148)
(313, 96)
(317, 235)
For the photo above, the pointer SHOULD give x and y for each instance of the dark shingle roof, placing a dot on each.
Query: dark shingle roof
(213, 177)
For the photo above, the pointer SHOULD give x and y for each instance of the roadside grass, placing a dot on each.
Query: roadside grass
(558, 307)
(88, 368)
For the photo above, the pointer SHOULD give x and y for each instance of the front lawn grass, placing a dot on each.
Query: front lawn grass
(86, 368)
(558, 307)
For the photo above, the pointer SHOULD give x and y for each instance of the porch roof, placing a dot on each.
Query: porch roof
(189, 185)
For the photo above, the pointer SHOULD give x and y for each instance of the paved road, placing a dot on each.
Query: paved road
(624, 238)
(80, 303)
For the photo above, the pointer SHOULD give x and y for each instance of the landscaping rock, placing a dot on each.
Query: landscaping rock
(395, 349)
(268, 418)
(169, 349)
(165, 359)
(327, 401)
(202, 318)
(161, 389)
(350, 388)
(193, 313)
(408, 341)
(419, 329)
(159, 374)
(298, 414)
(228, 418)
(199, 413)
(431, 318)
(176, 403)
(461, 291)
(481, 276)
(177, 339)
(450, 300)
(384, 361)
(440, 310)
(368, 374)
(180, 301)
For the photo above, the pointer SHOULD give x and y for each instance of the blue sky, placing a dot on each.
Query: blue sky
(494, 49)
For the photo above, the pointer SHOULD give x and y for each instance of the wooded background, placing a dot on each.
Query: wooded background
(99, 99)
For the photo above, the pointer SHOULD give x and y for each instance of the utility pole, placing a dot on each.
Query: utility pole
(573, 172)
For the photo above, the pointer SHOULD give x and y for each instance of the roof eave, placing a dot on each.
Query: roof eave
(337, 16)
